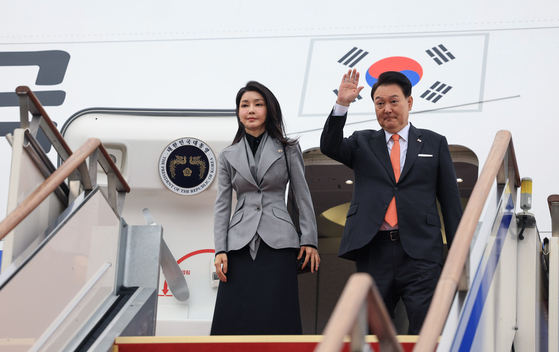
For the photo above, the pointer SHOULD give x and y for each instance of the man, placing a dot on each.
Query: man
(393, 229)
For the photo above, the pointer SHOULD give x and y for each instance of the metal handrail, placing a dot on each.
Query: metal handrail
(28, 101)
(501, 165)
(359, 290)
(90, 147)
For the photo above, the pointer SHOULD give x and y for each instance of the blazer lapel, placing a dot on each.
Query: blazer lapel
(379, 148)
(272, 150)
(415, 144)
(237, 157)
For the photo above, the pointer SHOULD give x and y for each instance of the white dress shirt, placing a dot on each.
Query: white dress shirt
(340, 110)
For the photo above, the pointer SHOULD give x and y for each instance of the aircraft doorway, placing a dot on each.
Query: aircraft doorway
(331, 187)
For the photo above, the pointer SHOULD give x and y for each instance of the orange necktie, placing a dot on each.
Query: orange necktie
(391, 216)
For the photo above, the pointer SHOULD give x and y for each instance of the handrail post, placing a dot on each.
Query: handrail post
(35, 124)
(553, 202)
(112, 190)
(23, 109)
(359, 330)
(93, 162)
(553, 275)
(512, 172)
(508, 171)
(30, 104)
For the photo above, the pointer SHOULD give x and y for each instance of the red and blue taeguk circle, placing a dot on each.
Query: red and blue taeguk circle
(407, 66)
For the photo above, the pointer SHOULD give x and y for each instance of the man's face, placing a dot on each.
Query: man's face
(392, 108)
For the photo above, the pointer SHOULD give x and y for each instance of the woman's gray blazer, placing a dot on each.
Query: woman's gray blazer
(261, 206)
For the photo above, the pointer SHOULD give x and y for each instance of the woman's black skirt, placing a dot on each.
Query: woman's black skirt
(260, 296)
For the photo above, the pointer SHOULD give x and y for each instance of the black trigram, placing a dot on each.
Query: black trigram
(436, 92)
(359, 97)
(440, 53)
(353, 57)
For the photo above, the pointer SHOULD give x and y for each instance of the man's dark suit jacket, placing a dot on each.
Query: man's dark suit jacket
(428, 175)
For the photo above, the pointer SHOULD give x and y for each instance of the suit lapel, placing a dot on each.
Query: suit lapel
(237, 157)
(379, 148)
(272, 150)
(415, 144)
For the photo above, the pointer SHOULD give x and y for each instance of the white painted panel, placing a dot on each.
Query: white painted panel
(79, 260)
(25, 178)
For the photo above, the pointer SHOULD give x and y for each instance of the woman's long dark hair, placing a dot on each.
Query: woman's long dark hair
(274, 118)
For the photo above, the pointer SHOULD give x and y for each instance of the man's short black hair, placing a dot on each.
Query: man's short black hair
(393, 77)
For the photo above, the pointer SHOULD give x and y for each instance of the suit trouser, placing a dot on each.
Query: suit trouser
(397, 275)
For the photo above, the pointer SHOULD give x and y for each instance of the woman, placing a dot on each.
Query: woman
(257, 248)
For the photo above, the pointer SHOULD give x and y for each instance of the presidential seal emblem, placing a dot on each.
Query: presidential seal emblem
(187, 166)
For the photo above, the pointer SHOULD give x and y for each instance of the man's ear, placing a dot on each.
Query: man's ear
(410, 102)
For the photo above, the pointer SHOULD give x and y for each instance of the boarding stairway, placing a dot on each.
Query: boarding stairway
(74, 274)
(497, 291)
(76, 277)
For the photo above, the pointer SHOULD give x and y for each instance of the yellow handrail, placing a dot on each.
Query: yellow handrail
(501, 161)
(359, 289)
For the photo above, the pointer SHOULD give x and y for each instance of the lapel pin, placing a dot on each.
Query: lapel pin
(419, 140)
(279, 150)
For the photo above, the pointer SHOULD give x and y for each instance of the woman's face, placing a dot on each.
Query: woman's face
(252, 113)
